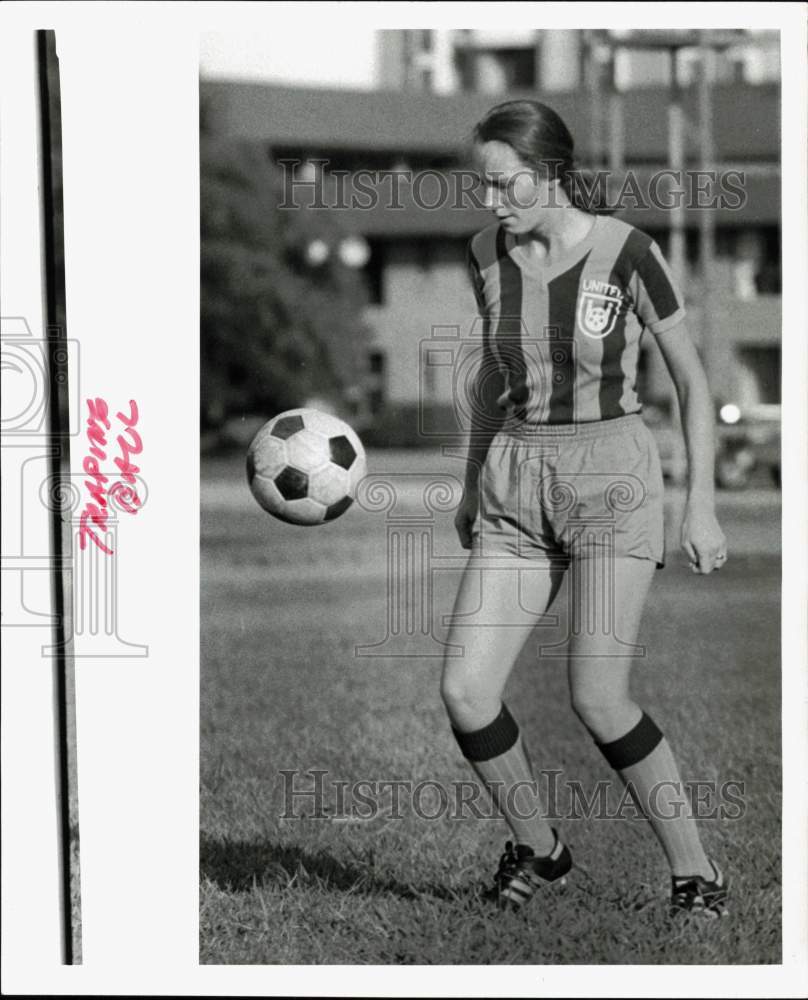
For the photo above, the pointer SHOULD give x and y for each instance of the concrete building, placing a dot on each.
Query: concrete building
(488, 61)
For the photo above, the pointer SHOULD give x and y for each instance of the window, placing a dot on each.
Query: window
(376, 361)
(496, 70)
(376, 380)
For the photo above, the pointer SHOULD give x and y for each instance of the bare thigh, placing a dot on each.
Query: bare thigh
(606, 606)
(498, 603)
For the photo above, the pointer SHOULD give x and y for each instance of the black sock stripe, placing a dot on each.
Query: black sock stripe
(634, 746)
(492, 740)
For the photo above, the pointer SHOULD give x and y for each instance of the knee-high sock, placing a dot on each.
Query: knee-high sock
(499, 758)
(643, 759)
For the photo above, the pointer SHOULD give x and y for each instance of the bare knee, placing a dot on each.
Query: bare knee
(587, 707)
(607, 718)
(457, 692)
(468, 705)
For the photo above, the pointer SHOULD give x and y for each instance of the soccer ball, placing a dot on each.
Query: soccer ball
(303, 466)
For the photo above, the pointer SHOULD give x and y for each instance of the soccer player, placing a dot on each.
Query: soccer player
(563, 477)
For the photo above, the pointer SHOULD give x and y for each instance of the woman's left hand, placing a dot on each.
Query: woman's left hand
(703, 539)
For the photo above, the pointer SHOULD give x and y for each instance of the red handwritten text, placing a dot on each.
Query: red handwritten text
(95, 516)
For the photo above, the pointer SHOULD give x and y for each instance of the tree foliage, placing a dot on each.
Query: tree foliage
(275, 330)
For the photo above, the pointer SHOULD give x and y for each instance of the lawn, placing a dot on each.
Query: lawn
(283, 610)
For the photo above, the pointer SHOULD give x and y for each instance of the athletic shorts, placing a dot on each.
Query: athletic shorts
(572, 491)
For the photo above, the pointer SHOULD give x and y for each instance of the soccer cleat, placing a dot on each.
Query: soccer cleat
(694, 894)
(521, 873)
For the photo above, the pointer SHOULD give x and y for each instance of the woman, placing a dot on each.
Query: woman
(563, 477)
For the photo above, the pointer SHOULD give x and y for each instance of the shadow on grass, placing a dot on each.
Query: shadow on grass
(238, 866)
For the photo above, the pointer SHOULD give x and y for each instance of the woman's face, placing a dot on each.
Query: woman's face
(515, 192)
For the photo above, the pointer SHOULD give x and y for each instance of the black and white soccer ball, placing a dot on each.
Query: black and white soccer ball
(304, 466)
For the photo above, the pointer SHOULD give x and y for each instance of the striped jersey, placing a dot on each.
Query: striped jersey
(566, 337)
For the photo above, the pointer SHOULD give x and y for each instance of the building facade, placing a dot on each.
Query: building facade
(407, 143)
(448, 61)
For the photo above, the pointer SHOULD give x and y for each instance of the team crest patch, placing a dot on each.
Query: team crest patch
(597, 313)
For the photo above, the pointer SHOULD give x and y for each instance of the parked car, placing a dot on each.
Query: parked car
(748, 439)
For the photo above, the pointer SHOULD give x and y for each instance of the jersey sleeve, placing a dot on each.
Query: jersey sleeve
(658, 300)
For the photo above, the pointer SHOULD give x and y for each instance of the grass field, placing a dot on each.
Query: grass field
(282, 689)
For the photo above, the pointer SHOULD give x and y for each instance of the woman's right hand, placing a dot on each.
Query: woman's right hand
(466, 515)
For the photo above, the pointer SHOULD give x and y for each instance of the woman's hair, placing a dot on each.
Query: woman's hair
(540, 138)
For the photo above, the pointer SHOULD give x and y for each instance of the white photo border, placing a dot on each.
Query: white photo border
(130, 122)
